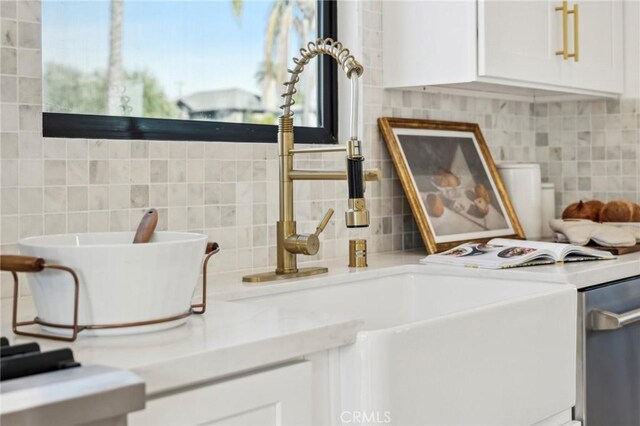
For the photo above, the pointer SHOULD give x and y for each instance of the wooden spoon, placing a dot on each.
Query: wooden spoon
(146, 227)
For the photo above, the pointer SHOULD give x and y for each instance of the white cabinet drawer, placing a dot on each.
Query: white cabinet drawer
(280, 396)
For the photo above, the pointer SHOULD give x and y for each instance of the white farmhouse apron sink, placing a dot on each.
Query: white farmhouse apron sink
(445, 350)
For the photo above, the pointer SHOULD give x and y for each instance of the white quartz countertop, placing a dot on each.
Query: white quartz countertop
(233, 337)
(229, 286)
(229, 338)
(580, 274)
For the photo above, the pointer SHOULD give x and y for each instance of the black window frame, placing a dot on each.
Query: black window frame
(65, 125)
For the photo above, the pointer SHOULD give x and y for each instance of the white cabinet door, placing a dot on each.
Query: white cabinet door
(281, 396)
(600, 36)
(428, 42)
(518, 40)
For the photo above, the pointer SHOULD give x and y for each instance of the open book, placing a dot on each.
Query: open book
(505, 253)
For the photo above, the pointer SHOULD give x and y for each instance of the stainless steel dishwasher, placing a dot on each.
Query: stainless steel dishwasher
(608, 377)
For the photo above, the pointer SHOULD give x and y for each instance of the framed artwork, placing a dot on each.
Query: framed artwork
(453, 187)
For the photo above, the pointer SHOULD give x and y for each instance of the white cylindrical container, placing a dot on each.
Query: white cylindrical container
(548, 208)
(523, 184)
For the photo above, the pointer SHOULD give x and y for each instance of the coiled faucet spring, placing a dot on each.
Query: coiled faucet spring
(326, 46)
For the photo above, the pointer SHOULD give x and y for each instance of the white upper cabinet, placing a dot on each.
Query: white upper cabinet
(529, 47)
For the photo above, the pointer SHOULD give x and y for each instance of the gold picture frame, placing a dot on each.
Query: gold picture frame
(451, 182)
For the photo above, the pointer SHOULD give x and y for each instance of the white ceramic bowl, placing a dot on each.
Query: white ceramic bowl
(120, 282)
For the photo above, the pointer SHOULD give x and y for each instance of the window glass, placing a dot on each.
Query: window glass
(217, 60)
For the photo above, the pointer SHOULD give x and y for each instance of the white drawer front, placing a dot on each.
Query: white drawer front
(281, 396)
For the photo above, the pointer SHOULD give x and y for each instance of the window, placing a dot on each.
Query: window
(184, 70)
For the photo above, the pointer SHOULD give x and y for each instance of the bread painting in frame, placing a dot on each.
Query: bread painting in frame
(451, 182)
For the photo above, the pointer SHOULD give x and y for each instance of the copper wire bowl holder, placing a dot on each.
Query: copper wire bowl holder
(38, 264)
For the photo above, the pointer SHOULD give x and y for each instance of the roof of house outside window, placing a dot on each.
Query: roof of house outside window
(223, 99)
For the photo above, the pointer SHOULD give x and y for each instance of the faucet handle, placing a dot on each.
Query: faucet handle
(307, 243)
(324, 222)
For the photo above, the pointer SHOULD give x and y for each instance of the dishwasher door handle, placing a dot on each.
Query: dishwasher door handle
(605, 320)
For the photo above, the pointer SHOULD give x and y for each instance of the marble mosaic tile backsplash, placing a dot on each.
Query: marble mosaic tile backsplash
(229, 191)
(590, 149)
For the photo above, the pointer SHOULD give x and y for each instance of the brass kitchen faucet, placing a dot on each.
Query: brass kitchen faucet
(289, 242)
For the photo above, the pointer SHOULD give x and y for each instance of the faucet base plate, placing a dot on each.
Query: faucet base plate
(273, 276)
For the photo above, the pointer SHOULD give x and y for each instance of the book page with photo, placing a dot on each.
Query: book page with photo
(506, 253)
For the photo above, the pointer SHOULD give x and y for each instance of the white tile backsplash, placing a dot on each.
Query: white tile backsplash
(598, 157)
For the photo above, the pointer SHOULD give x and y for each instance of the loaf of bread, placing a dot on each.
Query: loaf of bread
(597, 211)
(619, 211)
(435, 206)
(445, 179)
(481, 192)
(481, 201)
(589, 210)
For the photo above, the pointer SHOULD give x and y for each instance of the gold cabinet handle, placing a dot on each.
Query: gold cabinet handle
(565, 31)
(565, 34)
(576, 34)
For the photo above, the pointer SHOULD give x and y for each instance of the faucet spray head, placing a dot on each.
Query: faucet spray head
(357, 215)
